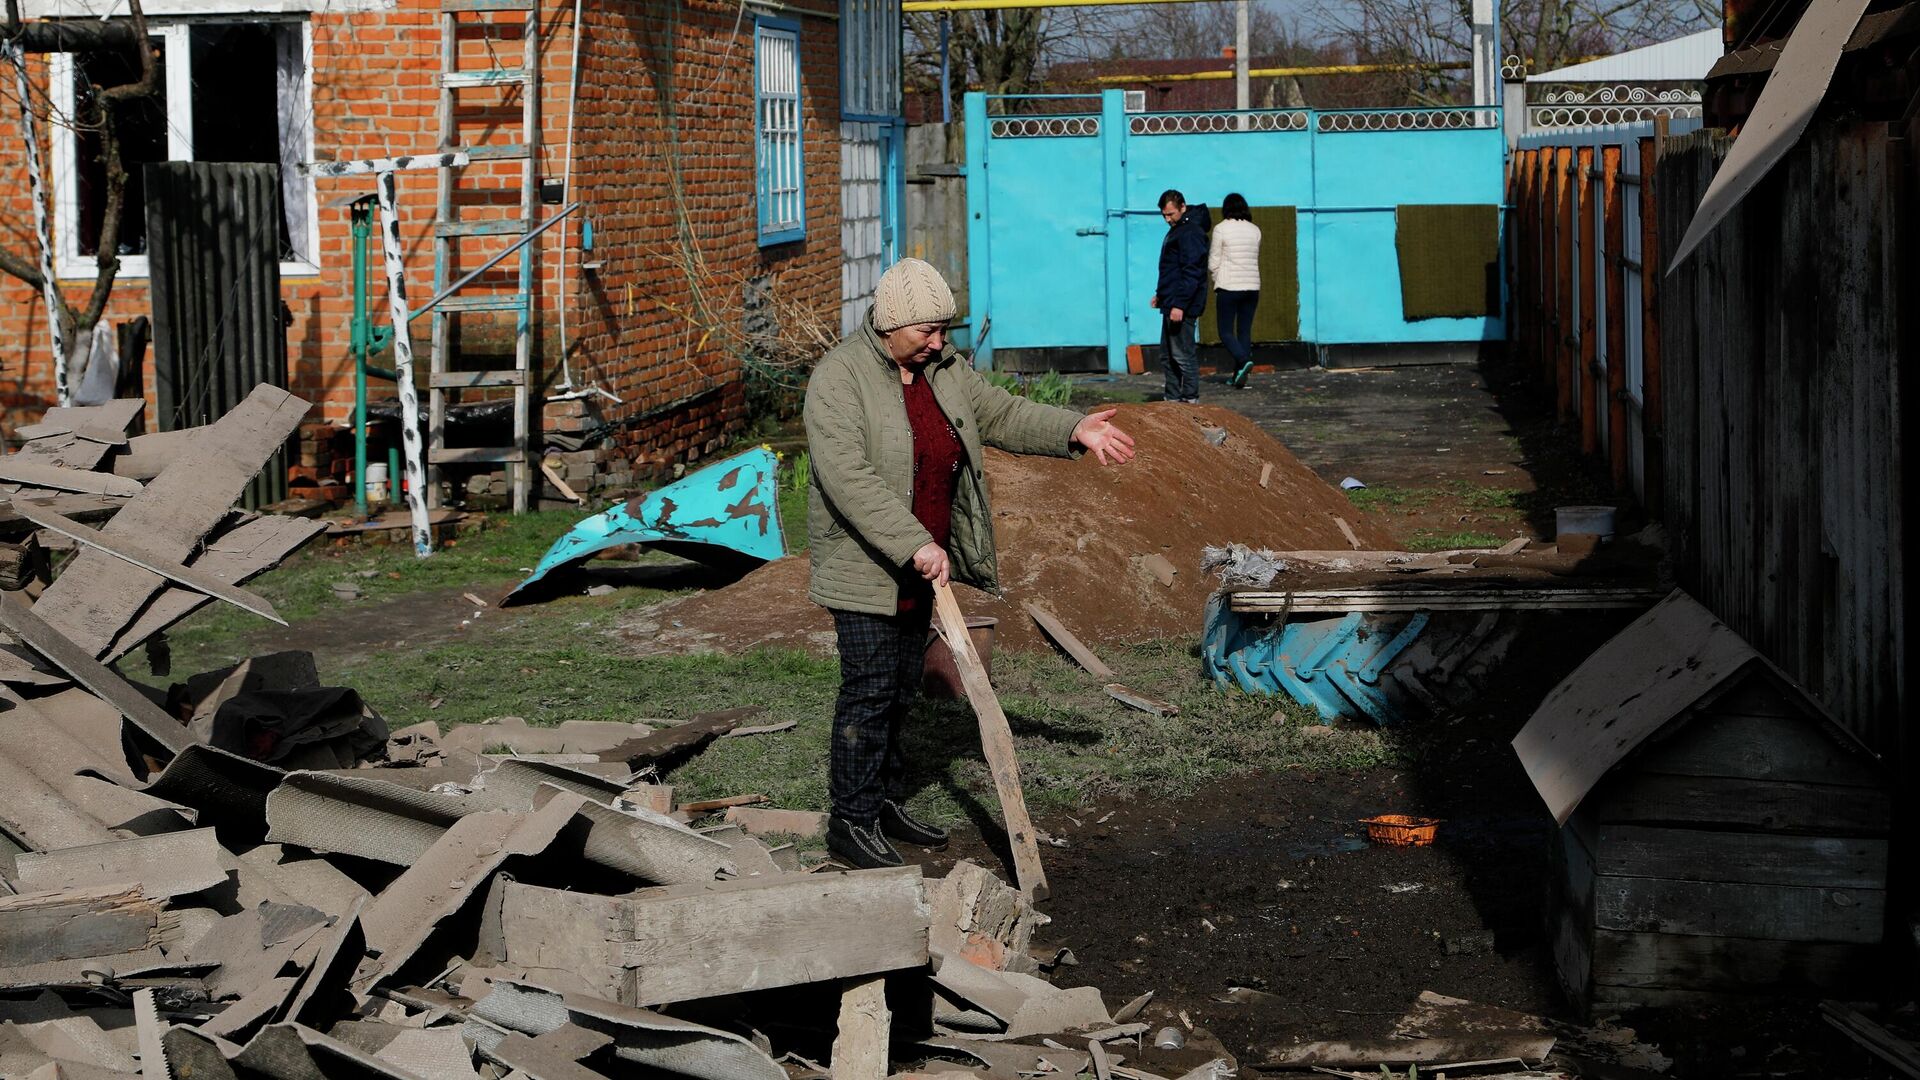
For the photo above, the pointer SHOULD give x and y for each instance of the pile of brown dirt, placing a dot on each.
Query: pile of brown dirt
(1071, 536)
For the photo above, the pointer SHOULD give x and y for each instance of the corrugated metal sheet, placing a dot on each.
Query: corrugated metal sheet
(213, 246)
(1783, 418)
(1685, 59)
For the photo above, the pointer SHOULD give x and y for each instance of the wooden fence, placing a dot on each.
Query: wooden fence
(1585, 304)
(1785, 414)
(1751, 399)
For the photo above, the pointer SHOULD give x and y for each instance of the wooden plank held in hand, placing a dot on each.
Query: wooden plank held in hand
(130, 550)
(996, 740)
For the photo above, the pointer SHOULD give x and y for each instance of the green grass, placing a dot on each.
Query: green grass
(1088, 395)
(567, 658)
(1463, 493)
(1074, 743)
(1429, 540)
(1386, 496)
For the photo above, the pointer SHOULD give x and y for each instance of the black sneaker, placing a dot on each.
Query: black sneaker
(1239, 380)
(902, 826)
(860, 846)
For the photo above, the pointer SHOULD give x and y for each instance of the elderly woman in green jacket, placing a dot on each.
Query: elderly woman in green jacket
(896, 424)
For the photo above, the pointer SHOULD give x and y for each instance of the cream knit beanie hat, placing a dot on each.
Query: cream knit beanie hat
(911, 291)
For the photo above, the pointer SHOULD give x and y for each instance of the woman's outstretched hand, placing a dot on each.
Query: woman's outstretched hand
(1096, 432)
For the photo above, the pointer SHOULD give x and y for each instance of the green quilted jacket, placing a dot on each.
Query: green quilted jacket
(860, 506)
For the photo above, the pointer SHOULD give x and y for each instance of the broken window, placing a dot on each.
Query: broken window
(230, 90)
(142, 125)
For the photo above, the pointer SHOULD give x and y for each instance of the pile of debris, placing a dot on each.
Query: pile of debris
(248, 876)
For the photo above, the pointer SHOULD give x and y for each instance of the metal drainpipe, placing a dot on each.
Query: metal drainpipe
(946, 96)
(361, 335)
(566, 185)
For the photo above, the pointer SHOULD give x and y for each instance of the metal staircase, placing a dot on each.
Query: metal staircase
(468, 227)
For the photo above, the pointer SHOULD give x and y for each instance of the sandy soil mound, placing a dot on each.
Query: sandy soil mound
(1072, 536)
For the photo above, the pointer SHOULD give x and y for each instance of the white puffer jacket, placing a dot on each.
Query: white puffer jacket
(1234, 260)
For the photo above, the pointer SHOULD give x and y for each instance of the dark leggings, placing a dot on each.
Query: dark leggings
(1236, 322)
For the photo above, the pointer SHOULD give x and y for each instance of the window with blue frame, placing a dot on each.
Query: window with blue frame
(780, 183)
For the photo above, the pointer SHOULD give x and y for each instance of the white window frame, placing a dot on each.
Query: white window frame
(68, 262)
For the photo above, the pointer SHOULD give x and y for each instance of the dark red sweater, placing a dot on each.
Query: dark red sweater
(937, 455)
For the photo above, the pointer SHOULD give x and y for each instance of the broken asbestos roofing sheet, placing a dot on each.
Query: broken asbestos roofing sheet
(641, 1037)
(1787, 103)
(1645, 677)
(357, 814)
(731, 505)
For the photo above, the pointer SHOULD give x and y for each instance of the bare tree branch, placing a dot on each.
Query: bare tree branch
(107, 258)
(100, 115)
(14, 266)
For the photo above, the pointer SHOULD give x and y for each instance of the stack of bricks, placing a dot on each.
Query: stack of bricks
(318, 471)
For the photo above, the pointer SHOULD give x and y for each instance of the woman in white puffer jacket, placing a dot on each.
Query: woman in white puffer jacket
(1234, 262)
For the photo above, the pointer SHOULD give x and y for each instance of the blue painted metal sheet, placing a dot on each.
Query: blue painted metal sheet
(1064, 233)
(731, 504)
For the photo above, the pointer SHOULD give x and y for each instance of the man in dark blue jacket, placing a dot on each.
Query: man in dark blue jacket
(1182, 294)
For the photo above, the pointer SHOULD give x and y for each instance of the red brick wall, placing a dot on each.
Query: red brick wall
(642, 62)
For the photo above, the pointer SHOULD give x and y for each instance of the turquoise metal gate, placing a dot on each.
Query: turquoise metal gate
(1064, 235)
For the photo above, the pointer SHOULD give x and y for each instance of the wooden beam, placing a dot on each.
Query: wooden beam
(1136, 700)
(860, 1048)
(669, 743)
(130, 550)
(689, 942)
(75, 924)
(53, 476)
(1881, 1043)
(996, 740)
(90, 673)
(1368, 1054)
(1061, 636)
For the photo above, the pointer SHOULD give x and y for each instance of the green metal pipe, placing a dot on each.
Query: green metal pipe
(362, 343)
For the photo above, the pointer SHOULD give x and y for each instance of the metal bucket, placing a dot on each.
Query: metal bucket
(1592, 520)
(940, 678)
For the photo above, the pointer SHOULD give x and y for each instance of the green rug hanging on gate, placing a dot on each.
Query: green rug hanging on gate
(1449, 260)
(1277, 318)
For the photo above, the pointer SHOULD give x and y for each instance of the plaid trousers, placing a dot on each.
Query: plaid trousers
(880, 670)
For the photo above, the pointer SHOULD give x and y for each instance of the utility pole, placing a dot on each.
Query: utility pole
(1242, 96)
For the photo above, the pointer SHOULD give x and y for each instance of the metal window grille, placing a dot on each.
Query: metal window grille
(780, 184)
(870, 58)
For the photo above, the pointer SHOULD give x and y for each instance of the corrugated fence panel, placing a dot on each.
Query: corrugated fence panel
(213, 240)
(1783, 483)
